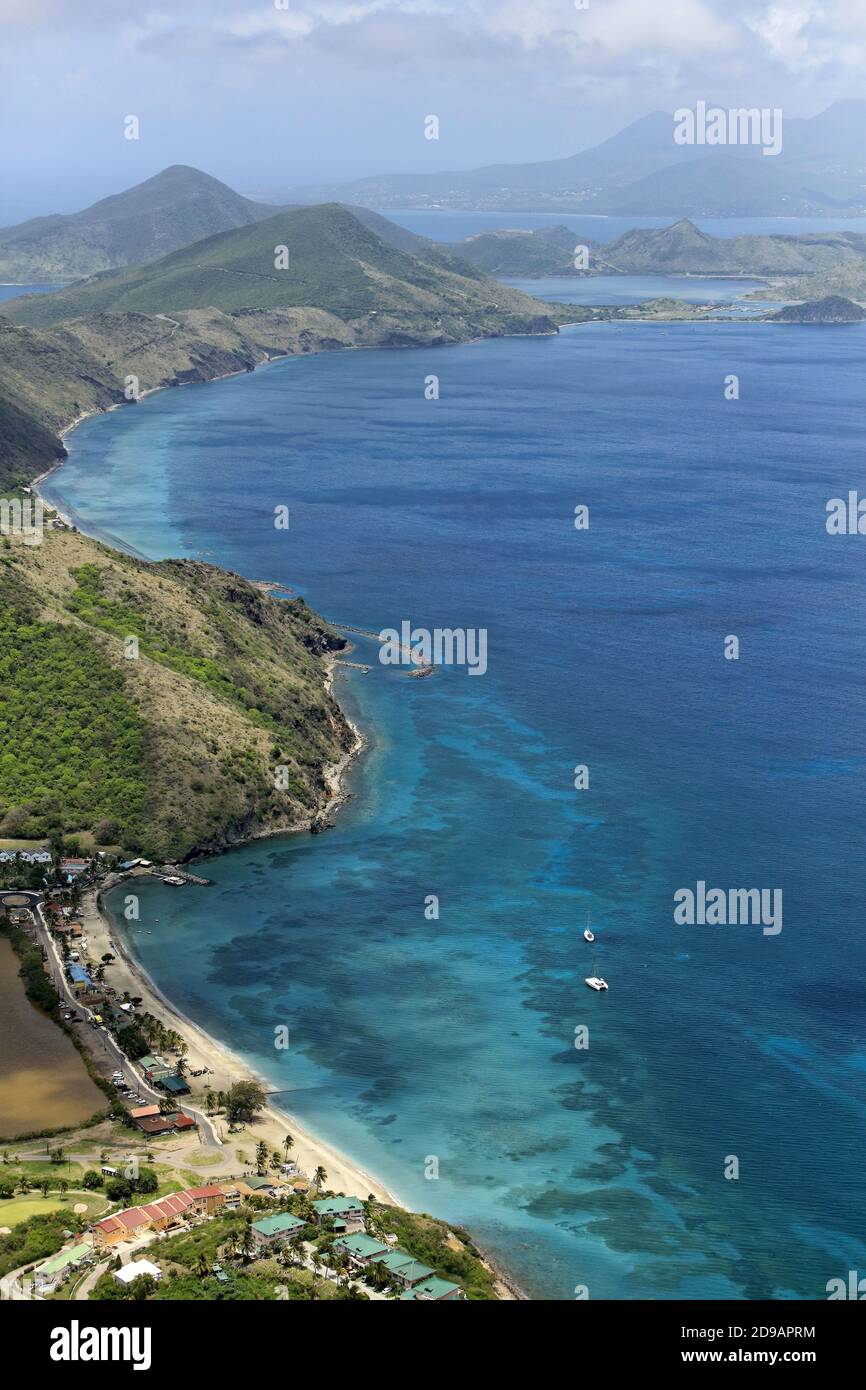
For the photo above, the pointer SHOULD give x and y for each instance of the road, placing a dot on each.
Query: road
(207, 1130)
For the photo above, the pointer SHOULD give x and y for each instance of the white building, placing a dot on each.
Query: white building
(136, 1268)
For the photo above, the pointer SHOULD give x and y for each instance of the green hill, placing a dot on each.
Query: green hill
(220, 306)
(176, 749)
(336, 263)
(175, 207)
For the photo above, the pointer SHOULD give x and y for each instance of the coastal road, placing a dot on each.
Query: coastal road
(207, 1130)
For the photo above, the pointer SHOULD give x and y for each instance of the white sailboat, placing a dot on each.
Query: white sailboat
(595, 981)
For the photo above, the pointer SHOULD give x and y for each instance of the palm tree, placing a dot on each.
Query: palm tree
(247, 1243)
(202, 1265)
(288, 1143)
(297, 1245)
(44, 1186)
(261, 1156)
(319, 1177)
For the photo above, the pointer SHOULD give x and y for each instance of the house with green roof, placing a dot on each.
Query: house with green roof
(55, 1270)
(273, 1229)
(346, 1213)
(404, 1267)
(261, 1184)
(361, 1249)
(434, 1290)
(174, 1085)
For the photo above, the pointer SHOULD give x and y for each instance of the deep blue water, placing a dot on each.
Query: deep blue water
(454, 226)
(13, 291)
(455, 1037)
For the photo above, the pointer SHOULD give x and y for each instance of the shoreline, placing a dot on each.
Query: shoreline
(225, 1066)
(309, 1149)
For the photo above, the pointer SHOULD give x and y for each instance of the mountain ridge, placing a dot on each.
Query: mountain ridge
(177, 206)
(641, 171)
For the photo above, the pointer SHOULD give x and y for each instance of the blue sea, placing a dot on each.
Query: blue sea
(454, 1038)
(450, 225)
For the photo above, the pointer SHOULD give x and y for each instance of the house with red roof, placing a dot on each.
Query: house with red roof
(158, 1216)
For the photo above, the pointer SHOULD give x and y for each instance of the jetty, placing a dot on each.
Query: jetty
(425, 668)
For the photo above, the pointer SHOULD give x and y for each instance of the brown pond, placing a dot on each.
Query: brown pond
(43, 1082)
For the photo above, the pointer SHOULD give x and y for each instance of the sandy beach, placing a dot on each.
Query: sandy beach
(125, 974)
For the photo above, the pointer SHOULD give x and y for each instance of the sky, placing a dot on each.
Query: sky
(267, 94)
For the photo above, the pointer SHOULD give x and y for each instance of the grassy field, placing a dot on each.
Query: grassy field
(18, 1209)
(38, 1168)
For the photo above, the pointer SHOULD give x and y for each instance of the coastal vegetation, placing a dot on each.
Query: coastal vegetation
(36, 1238)
(177, 748)
(447, 1249)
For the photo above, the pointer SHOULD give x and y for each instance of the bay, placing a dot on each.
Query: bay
(454, 1039)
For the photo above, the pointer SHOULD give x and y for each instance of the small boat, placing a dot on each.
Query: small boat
(587, 934)
(595, 982)
(174, 881)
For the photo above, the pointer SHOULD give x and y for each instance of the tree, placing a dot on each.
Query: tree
(288, 1143)
(247, 1243)
(319, 1177)
(142, 1287)
(92, 1179)
(202, 1265)
(44, 1186)
(118, 1190)
(297, 1246)
(146, 1181)
(261, 1156)
(243, 1100)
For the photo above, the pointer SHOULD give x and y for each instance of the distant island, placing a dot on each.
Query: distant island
(641, 171)
(680, 249)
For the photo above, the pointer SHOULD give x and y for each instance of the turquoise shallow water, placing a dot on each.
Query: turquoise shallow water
(454, 1038)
